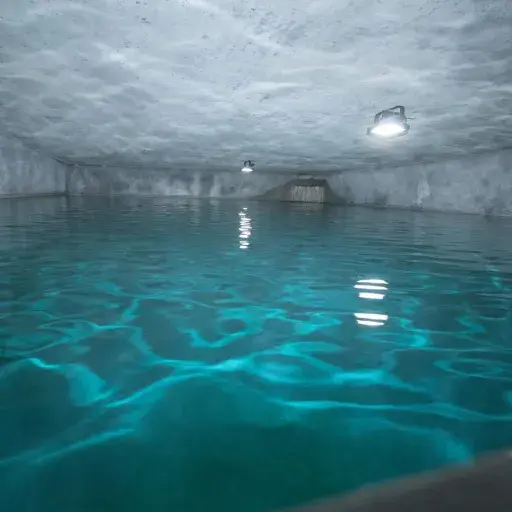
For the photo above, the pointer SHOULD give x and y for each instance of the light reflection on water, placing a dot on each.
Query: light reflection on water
(380, 285)
(149, 363)
(245, 229)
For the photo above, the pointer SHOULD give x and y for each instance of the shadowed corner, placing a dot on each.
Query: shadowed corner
(483, 485)
(304, 190)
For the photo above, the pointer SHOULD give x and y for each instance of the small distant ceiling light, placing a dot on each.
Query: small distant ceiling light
(248, 166)
(389, 123)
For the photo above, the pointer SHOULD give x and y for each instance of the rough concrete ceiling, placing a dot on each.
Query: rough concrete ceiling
(291, 84)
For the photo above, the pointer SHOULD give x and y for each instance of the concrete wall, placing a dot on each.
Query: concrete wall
(119, 181)
(25, 172)
(480, 184)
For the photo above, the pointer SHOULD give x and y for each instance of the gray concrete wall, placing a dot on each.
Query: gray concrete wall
(120, 181)
(480, 184)
(26, 172)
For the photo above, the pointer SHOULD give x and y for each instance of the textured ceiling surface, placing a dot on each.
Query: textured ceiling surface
(290, 84)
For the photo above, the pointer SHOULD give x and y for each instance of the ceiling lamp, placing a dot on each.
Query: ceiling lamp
(248, 166)
(390, 123)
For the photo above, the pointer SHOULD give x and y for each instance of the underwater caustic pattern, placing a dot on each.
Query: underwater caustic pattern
(200, 355)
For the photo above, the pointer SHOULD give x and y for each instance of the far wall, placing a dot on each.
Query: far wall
(151, 182)
(479, 184)
(26, 172)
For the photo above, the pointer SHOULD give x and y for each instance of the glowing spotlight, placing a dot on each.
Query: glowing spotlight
(248, 166)
(390, 123)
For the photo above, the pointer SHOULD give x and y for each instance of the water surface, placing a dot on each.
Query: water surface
(193, 355)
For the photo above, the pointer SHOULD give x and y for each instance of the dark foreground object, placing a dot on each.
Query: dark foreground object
(485, 485)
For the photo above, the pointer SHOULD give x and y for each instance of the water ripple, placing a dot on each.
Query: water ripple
(148, 328)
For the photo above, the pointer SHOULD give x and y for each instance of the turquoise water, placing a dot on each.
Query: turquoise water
(194, 355)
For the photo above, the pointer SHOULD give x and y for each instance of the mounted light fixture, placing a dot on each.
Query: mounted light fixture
(248, 166)
(389, 123)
